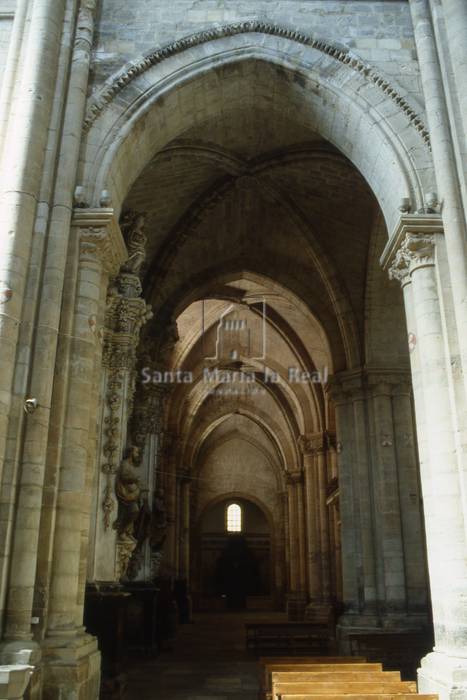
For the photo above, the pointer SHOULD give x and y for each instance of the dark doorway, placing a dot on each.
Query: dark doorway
(237, 573)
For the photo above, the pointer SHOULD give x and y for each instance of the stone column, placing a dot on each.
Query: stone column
(444, 158)
(170, 489)
(319, 447)
(455, 18)
(411, 505)
(390, 554)
(301, 534)
(297, 594)
(285, 517)
(413, 253)
(352, 583)
(70, 656)
(20, 181)
(293, 535)
(312, 522)
(45, 311)
(185, 529)
(360, 591)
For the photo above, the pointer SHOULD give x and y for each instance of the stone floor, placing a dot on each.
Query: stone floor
(208, 662)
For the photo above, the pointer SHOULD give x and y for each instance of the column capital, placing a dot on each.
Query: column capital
(100, 238)
(411, 246)
(294, 477)
(314, 443)
(347, 386)
(184, 476)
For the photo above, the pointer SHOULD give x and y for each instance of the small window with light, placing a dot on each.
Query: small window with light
(234, 518)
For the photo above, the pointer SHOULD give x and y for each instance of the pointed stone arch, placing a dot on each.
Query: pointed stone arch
(348, 102)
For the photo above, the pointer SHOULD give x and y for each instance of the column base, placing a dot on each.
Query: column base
(296, 605)
(319, 613)
(398, 642)
(71, 668)
(444, 675)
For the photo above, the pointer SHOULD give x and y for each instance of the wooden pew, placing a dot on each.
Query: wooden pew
(321, 666)
(335, 676)
(378, 696)
(311, 659)
(279, 690)
(288, 636)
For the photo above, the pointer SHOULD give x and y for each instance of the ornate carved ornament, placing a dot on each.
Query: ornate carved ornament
(125, 314)
(84, 32)
(411, 246)
(313, 443)
(100, 238)
(148, 413)
(115, 85)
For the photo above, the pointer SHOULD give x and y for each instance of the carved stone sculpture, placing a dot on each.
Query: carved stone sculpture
(132, 226)
(128, 492)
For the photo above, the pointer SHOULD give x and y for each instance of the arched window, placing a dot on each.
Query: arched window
(234, 518)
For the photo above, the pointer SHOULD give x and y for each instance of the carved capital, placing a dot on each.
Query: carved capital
(295, 477)
(313, 443)
(305, 444)
(100, 238)
(411, 246)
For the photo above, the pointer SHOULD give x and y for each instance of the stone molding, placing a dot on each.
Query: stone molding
(314, 443)
(359, 384)
(294, 477)
(131, 71)
(411, 246)
(100, 238)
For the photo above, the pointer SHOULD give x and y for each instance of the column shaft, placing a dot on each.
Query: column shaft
(293, 547)
(444, 165)
(72, 499)
(323, 524)
(455, 17)
(301, 535)
(313, 542)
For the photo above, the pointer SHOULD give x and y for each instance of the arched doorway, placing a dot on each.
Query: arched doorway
(231, 552)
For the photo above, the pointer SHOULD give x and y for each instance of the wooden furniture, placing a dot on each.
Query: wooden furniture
(288, 636)
(325, 665)
(104, 617)
(141, 619)
(332, 679)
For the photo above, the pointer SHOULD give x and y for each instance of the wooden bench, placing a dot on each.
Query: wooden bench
(312, 659)
(381, 687)
(336, 676)
(340, 666)
(378, 696)
(288, 636)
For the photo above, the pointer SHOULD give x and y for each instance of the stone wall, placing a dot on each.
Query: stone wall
(379, 32)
